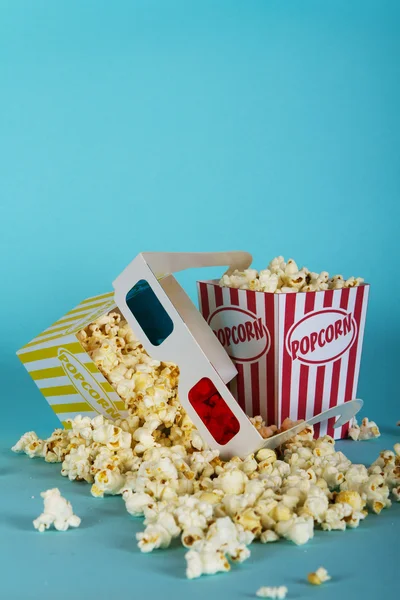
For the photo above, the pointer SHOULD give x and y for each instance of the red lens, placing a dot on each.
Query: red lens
(213, 411)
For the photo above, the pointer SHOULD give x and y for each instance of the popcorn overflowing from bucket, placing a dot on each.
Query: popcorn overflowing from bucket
(156, 460)
(286, 277)
(297, 354)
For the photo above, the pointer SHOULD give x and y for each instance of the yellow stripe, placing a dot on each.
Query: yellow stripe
(37, 341)
(47, 373)
(66, 425)
(107, 387)
(119, 405)
(52, 331)
(59, 390)
(89, 300)
(70, 319)
(57, 372)
(72, 407)
(80, 308)
(51, 352)
(83, 310)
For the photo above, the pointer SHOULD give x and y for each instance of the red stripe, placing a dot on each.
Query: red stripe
(320, 379)
(234, 293)
(334, 393)
(328, 298)
(205, 306)
(344, 301)
(304, 369)
(218, 295)
(270, 358)
(287, 359)
(319, 392)
(251, 301)
(353, 353)
(255, 389)
(344, 298)
(310, 302)
(361, 325)
(303, 390)
(254, 369)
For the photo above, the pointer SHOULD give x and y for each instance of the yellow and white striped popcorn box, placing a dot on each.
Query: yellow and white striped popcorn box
(63, 371)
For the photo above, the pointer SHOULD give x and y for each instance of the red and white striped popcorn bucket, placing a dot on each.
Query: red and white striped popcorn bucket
(296, 354)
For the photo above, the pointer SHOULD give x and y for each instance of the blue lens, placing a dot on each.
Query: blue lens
(149, 312)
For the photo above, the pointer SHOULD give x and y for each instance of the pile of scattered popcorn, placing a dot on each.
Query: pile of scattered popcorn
(157, 461)
(285, 277)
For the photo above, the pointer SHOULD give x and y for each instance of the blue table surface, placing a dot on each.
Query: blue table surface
(101, 559)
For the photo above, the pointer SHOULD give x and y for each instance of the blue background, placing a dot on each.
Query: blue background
(267, 126)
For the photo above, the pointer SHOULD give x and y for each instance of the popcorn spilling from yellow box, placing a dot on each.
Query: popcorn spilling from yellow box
(165, 473)
(286, 277)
